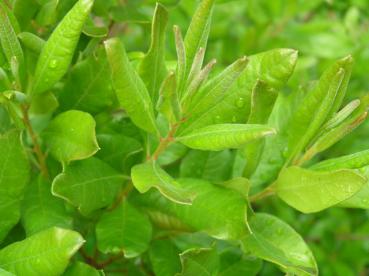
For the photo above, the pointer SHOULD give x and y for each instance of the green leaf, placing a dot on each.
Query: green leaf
(318, 106)
(168, 103)
(130, 89)
(152, 68)
(89, 185)
(217, 211)
(224, 136)
(148, 175)
(71, 136)
(332, 136)
(57, 53)
(125, 229)
(198, 31)
(234, 263)
(164, 257)
(216, 87)
(8, 37)
(48, 13)
(45, 253)
(117, 150)
(352, 161)
(208, 165)
(14, 176)
(311, 191)
(88, 87)
(41, 210)
(82, 269)
(5, 273)
(232, 97)
(262, 102)
(199, 261)
(275, 241)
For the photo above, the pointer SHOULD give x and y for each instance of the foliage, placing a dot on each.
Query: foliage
(127, 149)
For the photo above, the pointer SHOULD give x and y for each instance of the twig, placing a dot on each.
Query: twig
(123, 194)
(268, 191)
(36, 146)
(164, 142)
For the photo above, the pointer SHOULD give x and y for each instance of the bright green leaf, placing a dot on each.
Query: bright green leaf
(45, 253)
(41, 210)
(199, 261)
(71, 136)
(14, 176)
(311, 191)
(89, 184)
(224, 136)
(125, 229)
(273, 240)
(148, 175)
(130, 89)
(198, 31)
(57, 53)
(152, 67)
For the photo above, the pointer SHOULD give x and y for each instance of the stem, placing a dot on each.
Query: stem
(268, 191)
(36, 146)
(164, 142)
(123, 194)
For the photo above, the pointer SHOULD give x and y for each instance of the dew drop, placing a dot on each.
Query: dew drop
(240, 102)
(365, 201)
(53, 63)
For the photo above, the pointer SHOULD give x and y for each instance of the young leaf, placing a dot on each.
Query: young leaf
(15, 172)
(152, 68)
(168, 103)
(332, 136)
(340, 116)
(130, 89)
(199, 261)
(181, 58)
(230, 101)
(317, 107)
(310, 191)
(145, 176)
(275, 241)
(71, 136)
(224, 136)
(32, 41)
(8, 37)
(352, 161)
(89, 184)
(41, 210)
(262, 102)
(57, 53)
(217, 86)
(198, 31)
(125, 229)
(45, 253)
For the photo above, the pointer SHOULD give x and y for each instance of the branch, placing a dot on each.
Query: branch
(41, 158)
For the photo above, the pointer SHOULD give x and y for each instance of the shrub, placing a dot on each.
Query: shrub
(131, 164)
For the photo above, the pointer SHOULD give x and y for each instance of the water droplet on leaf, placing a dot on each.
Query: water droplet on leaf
(53, 63)
(240, 102)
